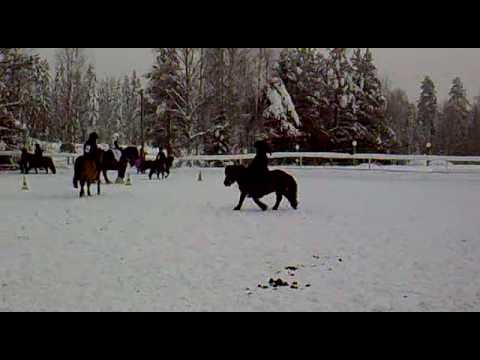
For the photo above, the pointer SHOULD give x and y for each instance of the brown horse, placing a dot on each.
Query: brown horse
(30, 161)
(277, 181)
(88, 174)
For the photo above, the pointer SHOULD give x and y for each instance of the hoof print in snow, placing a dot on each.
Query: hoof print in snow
(340, 260)
(308, 285)
(262, 286)
(294, 285)
(291, 268)
(278, 283)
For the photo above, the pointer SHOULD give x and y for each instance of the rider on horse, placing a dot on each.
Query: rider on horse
(161, 155)
(90, 148)
(38, 152)
(90, 151)
(258, 169)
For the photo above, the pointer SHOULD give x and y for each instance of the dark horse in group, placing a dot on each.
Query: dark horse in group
(106, 161)
(30, 161)
(129, 156)
(160, 166)
(278, 182)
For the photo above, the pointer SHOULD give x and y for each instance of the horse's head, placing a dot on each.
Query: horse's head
(233, 174)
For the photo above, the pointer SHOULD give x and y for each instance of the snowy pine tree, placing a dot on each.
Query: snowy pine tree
(91, 118)
(24, 87)
(109, 109)
(400, 117)
(70, 94)
(454, 125)
(427, 113)
(370, 103)
(303, 71)
(282, 122)
(131, 107)
(474, 132)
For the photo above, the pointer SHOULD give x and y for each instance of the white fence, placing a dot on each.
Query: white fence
(66, 159)
(337, 156)
(344, 161)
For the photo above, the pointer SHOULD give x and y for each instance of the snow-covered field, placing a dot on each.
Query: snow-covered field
(362, 241)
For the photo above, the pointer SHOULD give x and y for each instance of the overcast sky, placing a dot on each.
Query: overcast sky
(405, 67)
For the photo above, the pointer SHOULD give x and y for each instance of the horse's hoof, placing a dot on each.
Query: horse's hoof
(275, 208)
(236, 209)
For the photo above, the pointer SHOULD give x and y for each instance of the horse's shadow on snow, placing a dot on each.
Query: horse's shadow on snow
(256, 210)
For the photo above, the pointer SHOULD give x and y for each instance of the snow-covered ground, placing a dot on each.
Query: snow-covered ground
(362, 241)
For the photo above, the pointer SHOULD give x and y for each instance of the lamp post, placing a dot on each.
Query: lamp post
(244, 152)
(297, 148)
(354, 144)
(429, 152)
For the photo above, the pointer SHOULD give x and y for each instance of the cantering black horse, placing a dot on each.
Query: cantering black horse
(277, 181)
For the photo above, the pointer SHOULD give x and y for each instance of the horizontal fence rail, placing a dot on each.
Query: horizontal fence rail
(68, 159)
(336, 156)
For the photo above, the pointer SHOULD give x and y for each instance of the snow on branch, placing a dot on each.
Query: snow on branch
(281, 104)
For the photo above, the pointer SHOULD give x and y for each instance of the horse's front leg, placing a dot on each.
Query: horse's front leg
(243, 196)
(260, 204)
(98, 186)
(88, 188)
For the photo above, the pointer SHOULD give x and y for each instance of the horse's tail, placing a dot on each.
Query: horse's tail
(170, 160)
(292, 192)
(76, 173)
(51, 165)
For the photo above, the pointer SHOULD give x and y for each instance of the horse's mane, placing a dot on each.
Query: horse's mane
(238, 170)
